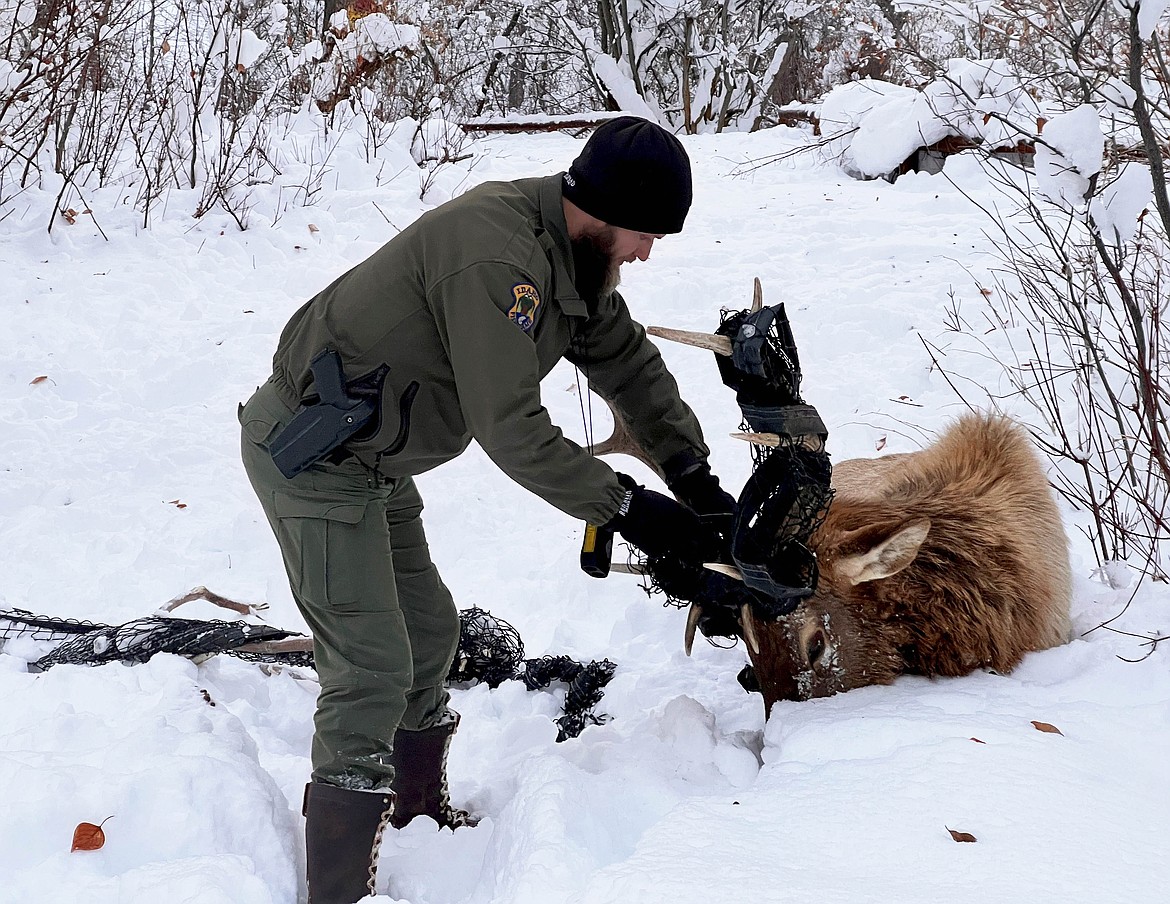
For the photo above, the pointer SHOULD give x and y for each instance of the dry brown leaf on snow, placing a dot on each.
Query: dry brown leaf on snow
(1044, 726)
(313, 228)
(176, 503)
(880, 444)
(36, 381)
(88, 837)
(977, 741)
(961, 836)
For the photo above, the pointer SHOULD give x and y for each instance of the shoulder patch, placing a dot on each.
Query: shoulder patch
(524, 307)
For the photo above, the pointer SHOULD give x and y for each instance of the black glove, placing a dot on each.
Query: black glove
(658, 525)
(699, 489)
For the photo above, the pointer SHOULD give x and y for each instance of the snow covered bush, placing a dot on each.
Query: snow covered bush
(153, 95)
(1079, 303)
(872, 127)
(359, 47)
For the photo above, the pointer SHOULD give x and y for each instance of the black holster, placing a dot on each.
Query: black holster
(322, 426)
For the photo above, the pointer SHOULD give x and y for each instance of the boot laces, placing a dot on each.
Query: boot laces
(452, 817)
(377, 846)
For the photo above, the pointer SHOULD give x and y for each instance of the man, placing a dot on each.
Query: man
(443, 336)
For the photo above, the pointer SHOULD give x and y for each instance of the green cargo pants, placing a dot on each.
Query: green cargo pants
(385, 629)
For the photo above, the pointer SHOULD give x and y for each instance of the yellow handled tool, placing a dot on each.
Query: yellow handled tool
(597, 550)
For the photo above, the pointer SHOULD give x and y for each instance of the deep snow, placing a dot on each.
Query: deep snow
(120, 487)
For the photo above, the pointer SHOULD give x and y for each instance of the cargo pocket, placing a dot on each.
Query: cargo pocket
(258, 425)
(333, 553)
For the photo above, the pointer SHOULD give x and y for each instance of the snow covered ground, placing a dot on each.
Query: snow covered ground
(120, 487)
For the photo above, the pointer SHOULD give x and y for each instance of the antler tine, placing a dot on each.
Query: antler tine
(692, 623)
(730, 570)
(622, 441)
(772, 440)
(721, 345)
(749, 631)
(810, 441)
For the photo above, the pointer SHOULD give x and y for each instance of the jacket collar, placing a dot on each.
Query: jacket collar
(555, 239)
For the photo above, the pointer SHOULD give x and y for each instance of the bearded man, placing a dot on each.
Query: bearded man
(439, 338)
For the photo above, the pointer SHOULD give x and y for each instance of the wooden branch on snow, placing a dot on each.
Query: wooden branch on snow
(287, 645)
(511, 126)
(202, 593)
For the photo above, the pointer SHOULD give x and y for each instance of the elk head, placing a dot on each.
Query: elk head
(832, 642)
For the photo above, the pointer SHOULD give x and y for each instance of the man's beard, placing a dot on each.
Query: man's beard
(597, 273)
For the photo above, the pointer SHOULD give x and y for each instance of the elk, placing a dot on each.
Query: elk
(937, 562)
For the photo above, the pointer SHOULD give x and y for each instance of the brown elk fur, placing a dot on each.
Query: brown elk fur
(936, 562)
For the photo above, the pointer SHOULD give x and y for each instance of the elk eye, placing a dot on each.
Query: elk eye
(816, 647)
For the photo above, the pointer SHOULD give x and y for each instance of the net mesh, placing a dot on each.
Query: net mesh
(783, 502)
(490, 651)
(791, 492)
(92, 643)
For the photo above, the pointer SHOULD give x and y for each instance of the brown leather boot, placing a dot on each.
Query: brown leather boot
(343, 831)
(420, 776)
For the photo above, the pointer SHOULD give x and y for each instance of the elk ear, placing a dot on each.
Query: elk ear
(886, 557)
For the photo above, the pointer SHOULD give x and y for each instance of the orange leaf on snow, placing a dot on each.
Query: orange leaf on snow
(1044, 726)
(961, 836)
(88, 837)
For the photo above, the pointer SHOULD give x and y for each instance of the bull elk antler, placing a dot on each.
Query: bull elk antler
(721, 345)
(622, 441)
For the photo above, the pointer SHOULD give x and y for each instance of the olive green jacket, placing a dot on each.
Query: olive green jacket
(474, 304)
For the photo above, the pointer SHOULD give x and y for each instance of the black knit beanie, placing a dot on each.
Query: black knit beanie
(632, 174)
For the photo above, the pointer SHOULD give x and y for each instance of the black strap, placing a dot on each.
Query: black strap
(782, 568)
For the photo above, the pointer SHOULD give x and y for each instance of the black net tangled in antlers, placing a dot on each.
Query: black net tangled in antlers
(490, 650)
(784, 500)
(788, 494)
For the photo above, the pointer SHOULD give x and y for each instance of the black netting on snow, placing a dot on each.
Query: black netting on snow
(490, 650)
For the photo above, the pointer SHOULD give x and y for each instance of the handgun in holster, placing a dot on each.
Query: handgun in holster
(319, 428)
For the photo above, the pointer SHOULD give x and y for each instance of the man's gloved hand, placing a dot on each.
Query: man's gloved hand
(658, 525)
(699, 489)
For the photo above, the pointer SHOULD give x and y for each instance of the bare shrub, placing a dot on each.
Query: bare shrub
(1078, 307)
